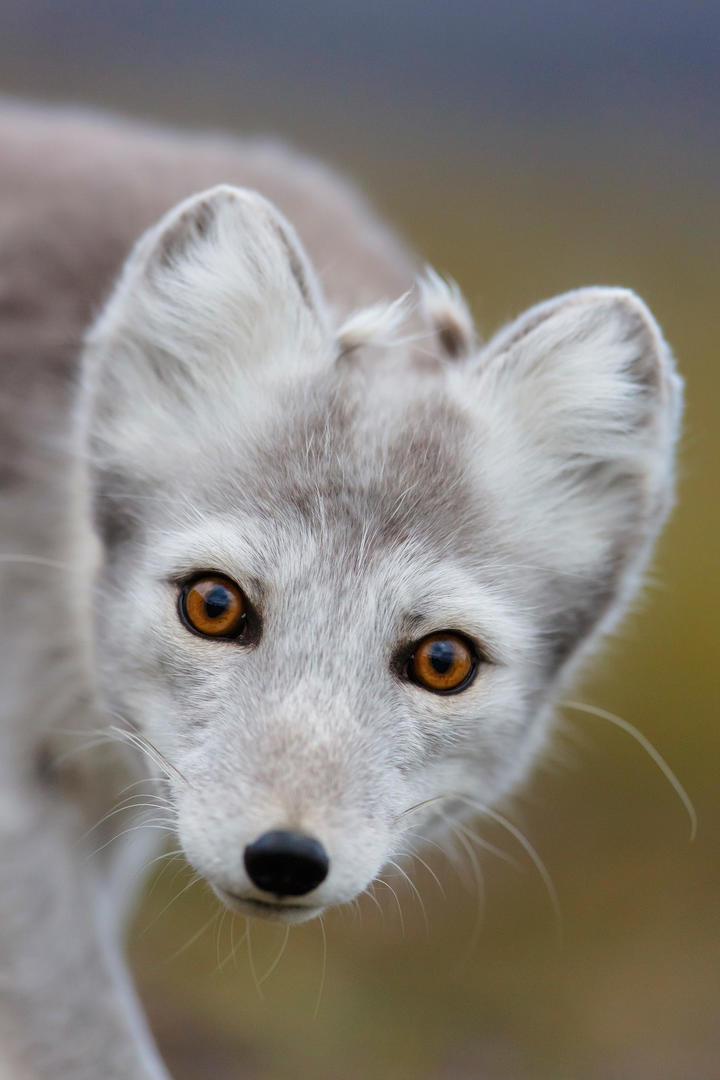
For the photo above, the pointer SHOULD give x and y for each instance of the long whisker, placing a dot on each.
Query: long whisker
(157, 824)
(234, 945)
(198, 934)
(430, 871)
(251, 961)
(145, 780)
(133, 802)
(381, 881)
(35, 560)
(415, 890)
(529, 851)
(279, 956)
(323, 970)
(171, 856)
(130, 734)
(419, 805)
(193, 881)
(461, 835)
(218, 938)
(653, 754)
(487, 846)
(370, 893)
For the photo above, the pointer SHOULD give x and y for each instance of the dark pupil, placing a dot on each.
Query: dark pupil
(217, 601)
(442, 656)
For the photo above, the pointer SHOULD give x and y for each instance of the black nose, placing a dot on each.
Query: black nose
(286, 863)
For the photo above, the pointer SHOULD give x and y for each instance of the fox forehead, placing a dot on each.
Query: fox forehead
(360, 468)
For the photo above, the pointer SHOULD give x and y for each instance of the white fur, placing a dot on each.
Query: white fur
(513, 498)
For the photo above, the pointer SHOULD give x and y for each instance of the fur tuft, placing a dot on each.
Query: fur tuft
(445, 308)
(376, 326)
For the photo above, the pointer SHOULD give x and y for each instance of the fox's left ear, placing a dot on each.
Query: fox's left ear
(590, 376)
(582, 404)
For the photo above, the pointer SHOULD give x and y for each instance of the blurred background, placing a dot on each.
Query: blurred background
(525, 148)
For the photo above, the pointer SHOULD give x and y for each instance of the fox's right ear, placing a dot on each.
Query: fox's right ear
(214, 299)
(219, 292)
(223, 265)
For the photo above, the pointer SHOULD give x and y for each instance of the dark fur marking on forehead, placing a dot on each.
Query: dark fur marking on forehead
(335, 466)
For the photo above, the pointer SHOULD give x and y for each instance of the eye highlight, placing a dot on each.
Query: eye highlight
(213, 606)
(444, 662)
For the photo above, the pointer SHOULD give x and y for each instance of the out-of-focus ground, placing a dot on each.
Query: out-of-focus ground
(571, 152)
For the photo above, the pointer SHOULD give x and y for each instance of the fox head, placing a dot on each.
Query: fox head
(342, 581)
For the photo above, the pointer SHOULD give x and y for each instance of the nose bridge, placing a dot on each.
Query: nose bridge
(316, 651)
(325, 616)
(313, 754)
(302, 760)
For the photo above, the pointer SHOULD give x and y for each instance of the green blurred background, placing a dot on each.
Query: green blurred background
(525, 148)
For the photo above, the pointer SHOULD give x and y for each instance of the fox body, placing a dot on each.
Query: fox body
(255, 430)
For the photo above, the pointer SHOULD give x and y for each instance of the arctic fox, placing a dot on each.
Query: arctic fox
(280, 538)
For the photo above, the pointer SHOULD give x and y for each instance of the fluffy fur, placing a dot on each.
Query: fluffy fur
(255, 401)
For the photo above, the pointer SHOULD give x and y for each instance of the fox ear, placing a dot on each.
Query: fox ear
(216, 297)
(221, 280)
(217, 292)
(590, 371)
(584, 398)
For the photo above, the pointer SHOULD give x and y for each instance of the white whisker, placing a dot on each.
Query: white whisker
(35, 560)
(193, 881)
(653, 754)
(198, 934)
(531, 853)
(415, 890)
(323, 970)
(278, 958)
(381, 881)
(251, 962)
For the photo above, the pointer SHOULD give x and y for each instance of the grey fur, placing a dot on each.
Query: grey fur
(362, 490)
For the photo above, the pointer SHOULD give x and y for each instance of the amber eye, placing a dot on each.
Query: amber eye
(214, 606)
(444, 663)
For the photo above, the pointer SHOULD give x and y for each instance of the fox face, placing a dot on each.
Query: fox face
(344, 577)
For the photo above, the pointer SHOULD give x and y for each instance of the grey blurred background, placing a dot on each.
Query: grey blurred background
(525, 148)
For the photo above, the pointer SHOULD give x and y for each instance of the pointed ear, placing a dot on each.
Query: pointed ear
(214, 299)
(221, 279)
(217, 293)
(583, 395)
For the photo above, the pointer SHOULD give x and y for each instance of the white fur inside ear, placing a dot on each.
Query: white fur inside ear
(215, 300)
(580, 405)
(222, 271)
(588, 371)
(445, 308)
